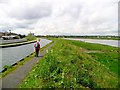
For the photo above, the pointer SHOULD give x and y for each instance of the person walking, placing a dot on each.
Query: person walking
(37, 47)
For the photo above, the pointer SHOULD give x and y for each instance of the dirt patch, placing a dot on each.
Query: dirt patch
(92, 51)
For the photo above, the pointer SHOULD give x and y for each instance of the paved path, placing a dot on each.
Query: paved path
(13, 79)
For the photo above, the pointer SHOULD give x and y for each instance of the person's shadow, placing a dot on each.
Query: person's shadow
(40, 56)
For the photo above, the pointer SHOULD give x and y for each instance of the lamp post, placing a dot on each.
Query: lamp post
(10, 34)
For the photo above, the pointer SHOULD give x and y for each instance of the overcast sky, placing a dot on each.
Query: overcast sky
(68, 17)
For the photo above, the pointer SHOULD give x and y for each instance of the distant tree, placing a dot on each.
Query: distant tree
(30, 37)
(21, 36)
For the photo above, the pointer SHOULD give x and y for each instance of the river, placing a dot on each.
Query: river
(113, 43)
(12, 55)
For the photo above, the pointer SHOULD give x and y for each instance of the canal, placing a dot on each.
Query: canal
(12, 55)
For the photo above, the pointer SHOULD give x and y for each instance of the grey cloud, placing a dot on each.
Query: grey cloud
(73, 10)
(25, 24)
(21, 25)
(91, 19)
(31, 12)
(114, 31)
(4, 28)
(104, 32)
(4, 1)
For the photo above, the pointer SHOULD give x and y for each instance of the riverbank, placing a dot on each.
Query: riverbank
(16, 44)
(75, 64)
(3, 42)
(11, 55)
(118, 38)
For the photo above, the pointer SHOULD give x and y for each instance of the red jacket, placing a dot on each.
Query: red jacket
(38, 45)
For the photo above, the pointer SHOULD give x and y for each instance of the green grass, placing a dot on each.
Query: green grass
(91, 46)
(30, 37)
(108, 57)
(66, 65)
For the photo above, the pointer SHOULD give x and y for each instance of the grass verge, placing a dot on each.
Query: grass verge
(66, 65)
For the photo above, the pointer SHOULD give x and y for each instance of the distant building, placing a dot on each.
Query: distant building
(9, 35)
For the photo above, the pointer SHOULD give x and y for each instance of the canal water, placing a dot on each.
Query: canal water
(12, 55)
(113, 43)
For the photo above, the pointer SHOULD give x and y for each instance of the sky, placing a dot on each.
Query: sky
(60, 17)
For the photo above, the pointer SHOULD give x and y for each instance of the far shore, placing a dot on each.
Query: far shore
(16, 44)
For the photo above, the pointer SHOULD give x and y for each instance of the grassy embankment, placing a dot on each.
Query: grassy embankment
(75, 64)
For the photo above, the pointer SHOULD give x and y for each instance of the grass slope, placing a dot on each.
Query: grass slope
(66, 65)
(108, 55)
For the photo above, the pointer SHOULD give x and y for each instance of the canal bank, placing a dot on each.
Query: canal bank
(9, 41)
(16, 44)
(66, 59)
(11, 55)
(13, 79)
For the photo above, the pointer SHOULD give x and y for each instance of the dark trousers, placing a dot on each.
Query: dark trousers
(36, 52)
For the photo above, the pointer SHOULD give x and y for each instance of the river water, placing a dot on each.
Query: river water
(113, 43)
(11, 55)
